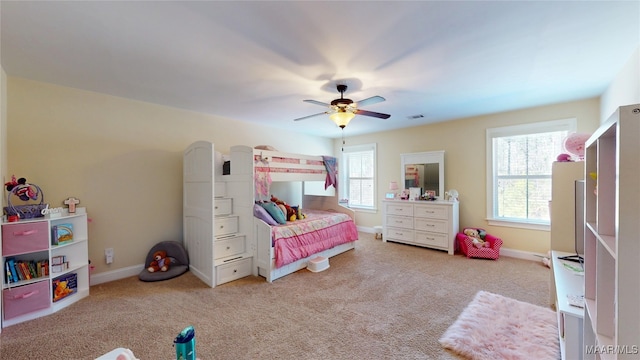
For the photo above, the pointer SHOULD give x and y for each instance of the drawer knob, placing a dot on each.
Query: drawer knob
(235, 271)
(228, 247)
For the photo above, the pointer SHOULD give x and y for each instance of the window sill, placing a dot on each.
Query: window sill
(519, 224)
(364, 209)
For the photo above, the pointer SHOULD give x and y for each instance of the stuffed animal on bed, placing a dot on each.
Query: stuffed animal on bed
(476, 238)
(290, 213)
(160, 262)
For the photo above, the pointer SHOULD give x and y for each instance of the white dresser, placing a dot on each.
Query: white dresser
(432, 224)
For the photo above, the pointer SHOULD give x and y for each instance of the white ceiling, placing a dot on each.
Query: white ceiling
(257, 61)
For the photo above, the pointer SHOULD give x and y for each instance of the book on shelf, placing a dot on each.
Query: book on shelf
(7, 273)
(57, 260)
(61, 234)
(12, 268)
(25, 270)
(64, 286)
(59, 267)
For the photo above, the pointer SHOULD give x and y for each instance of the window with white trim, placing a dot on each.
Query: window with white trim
(358, 175)
(519, 163)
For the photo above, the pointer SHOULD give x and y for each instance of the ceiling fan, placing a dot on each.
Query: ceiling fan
(342, 110)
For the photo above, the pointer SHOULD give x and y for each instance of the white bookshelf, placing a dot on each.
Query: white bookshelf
(570, 318)
(612, 238)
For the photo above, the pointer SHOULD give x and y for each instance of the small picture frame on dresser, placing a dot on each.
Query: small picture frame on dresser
(415, 193)
(391, 196)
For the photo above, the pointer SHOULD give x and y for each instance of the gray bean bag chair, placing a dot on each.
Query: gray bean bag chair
(179, 261)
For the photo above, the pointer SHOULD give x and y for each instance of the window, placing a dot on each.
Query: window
(358, 176)
(519, 162)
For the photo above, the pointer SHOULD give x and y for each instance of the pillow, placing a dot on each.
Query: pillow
(262, 214)
(275, 212)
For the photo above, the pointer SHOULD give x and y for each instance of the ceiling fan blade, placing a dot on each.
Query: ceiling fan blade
(371, 100)
(317, 102)
(310, 116)
(373, 114)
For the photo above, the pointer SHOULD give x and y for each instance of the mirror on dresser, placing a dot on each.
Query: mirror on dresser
(423, 170)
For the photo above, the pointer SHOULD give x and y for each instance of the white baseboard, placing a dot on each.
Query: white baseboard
(518, 254)
(116, 274)
(136, 269)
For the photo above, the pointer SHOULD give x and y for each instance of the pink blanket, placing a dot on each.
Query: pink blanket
(321, 230)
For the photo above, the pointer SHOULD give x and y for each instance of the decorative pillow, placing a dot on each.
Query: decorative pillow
(275, 212)
(262, 214)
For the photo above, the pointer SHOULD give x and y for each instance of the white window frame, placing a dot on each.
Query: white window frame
(344, 174)
(569, 125)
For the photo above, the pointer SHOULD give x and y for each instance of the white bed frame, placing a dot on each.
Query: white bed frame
(242, 163)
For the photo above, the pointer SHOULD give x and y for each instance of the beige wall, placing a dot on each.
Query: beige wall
(121, 158)
(624, 90)
(3, 126)
(465, 158)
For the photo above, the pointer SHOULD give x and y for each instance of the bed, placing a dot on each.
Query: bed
(329, 228)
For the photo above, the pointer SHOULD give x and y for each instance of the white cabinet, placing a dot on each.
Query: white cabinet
(612, 238)
(216, 217)
(569, 282)
(563, 211)
(45, 278)
(432, 224)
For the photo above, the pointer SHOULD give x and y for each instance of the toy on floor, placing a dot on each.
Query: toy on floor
(126, 354)
(160, 262)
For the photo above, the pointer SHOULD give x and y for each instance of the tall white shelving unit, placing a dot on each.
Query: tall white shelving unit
(612, 238)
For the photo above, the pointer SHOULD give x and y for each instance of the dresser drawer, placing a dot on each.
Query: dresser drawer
(222, 206)
(432, 239)
(399, 234)
(226, 225)
(228, 246)
(25, 237)
(426, 224)
(233, 270)
(400, 222)
(25, 299)
(399, 209)
(431, 211)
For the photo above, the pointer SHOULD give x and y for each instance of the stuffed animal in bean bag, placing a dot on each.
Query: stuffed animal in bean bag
(160, 262)
(476, 238)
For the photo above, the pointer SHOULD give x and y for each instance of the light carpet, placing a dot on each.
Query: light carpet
(496, 327)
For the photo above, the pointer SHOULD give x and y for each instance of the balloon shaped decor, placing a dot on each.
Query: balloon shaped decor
(574, 144)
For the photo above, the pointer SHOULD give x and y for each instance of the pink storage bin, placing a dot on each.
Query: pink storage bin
(465, 244)
(25, 299)
(25, 237)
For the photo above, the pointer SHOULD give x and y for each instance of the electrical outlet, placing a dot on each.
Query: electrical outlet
(108, 255)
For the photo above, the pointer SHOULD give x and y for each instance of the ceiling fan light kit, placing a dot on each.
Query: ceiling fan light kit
(342, 117)
(342, 110)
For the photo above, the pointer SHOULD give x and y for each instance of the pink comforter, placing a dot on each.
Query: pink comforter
(321, 230)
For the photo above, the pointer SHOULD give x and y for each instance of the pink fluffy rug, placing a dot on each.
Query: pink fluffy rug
(497, 327)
